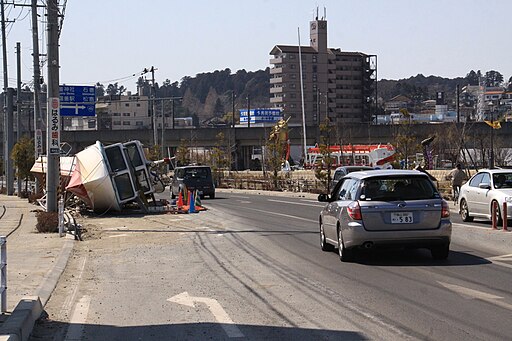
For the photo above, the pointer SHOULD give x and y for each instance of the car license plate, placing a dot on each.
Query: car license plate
(401, 218)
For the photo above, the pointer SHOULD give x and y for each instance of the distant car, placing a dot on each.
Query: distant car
(486, 188)
(193, 178)
(344, 170)
(385, 207)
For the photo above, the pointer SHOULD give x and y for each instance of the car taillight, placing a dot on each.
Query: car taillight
(445, 210)
(354, 210)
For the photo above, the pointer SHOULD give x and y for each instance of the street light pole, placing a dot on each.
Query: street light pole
(491, 161)
(248, 111)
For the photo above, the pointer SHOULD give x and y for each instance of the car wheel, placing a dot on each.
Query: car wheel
(323, 243)
(464, 211)
(346, 255)
(499, 220)
(440, 252)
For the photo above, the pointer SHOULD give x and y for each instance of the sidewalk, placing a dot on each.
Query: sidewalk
(35, 262)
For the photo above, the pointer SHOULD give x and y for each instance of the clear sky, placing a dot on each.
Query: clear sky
(111, 40)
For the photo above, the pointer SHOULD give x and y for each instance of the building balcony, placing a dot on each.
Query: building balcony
(278, 60)
(276, 80)
(276, 89)
(278, 99)
(276, 70)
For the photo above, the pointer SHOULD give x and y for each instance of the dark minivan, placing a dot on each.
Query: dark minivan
(193, 178)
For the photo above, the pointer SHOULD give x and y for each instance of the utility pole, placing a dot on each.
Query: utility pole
(248, 111)
(38, 136)
(10, 140)
(6, 84)
(53, 116)
(163, 127)
(153, 113)
(19, 132)
(457, 99)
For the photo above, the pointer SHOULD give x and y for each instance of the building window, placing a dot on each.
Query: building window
(138, 104)
(315, 68)
(315, 58)
(91, 124)
(116, 114)
(127, 104)
(126, 123)
(139, 123)
(315, 87)
(292, 56)
(293, 85)
(116, 123)
(292, 66)
(294, 76)
(314, 77)
(126, 114)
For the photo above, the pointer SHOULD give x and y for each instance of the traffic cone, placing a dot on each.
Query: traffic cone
(198, 200)
(179, 203)
(192, 206)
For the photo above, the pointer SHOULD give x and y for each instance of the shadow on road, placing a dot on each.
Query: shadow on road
(419, 257)
(48, 329)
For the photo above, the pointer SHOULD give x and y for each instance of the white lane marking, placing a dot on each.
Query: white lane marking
(78, 319)
(475, 294)
(215, 308)
(282, 215)
(244, 202)
(295, 203)
(500, 260)
(240, 196)
(68, 303)
(118, 235)
(117, 228)
(471, 226)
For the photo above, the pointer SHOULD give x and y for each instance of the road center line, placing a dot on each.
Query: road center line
(281, 215)
(295, 203)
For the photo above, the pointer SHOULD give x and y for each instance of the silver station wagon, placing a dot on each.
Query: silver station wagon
(385, 207)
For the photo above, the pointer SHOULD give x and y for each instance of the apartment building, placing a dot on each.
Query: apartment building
(338, 84)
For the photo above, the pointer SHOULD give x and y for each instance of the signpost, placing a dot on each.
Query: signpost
(54, 124)
(77, 100)
(261, 115)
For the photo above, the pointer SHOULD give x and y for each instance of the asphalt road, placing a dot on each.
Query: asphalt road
(251, 267)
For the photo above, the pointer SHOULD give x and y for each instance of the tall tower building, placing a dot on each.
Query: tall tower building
(338, 84)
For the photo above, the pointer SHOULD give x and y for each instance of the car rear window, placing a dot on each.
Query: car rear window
(201, 173)
(398, 188)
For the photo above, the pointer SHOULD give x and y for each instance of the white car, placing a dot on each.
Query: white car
(486, 188)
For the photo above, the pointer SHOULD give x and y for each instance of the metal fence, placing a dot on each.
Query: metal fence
(289, 185)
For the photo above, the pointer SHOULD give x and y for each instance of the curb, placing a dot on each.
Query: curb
(21, 322)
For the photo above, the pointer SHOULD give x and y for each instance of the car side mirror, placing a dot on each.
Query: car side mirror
(323, 197)
(484, 185)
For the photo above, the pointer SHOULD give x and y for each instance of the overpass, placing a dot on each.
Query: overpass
(476, 133)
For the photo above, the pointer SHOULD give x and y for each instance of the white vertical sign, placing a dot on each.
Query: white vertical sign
(54, 105)
(39, 142)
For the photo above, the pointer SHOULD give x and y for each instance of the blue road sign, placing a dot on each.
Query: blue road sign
(77, 100)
